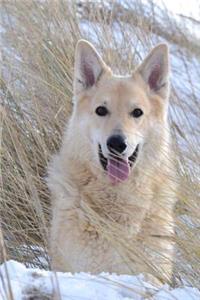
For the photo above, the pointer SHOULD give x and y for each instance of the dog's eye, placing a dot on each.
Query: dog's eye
(101, 111)
(136, 113)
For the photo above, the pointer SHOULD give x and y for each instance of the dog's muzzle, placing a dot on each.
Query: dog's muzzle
(116, 166)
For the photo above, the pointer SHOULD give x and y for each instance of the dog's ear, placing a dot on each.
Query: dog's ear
(155, 70)
(88, 68)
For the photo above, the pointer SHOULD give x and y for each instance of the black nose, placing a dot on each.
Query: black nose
(116, 143)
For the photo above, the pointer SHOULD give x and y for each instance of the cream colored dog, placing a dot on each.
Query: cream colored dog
(112, 181)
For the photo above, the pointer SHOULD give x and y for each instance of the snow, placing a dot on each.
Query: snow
(31, 283)
(181, 7)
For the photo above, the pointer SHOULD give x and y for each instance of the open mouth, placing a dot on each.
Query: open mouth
(116, 166)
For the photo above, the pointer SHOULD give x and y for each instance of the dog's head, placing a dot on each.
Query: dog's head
(115, 114)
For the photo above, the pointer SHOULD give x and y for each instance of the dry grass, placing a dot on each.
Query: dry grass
(36, 89)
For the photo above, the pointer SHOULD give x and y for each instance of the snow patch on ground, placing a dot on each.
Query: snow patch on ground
(28, 284)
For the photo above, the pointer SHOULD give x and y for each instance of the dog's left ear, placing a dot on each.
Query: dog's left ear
(155, 70)
(89, 66)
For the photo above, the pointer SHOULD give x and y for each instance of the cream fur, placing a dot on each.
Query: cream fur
(125, 228)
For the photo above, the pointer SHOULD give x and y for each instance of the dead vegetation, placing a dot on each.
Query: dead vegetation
(38, 41)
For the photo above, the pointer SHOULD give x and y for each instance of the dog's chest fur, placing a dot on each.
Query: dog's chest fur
(124, 204)
(88, 222)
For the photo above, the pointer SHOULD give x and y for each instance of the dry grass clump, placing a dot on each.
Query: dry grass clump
(38, 41)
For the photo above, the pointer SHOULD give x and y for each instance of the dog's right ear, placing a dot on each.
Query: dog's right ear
(89, 66)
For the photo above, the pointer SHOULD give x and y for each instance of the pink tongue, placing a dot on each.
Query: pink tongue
(118, 170)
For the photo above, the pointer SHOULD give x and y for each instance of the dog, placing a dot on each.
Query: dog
(113, 181)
